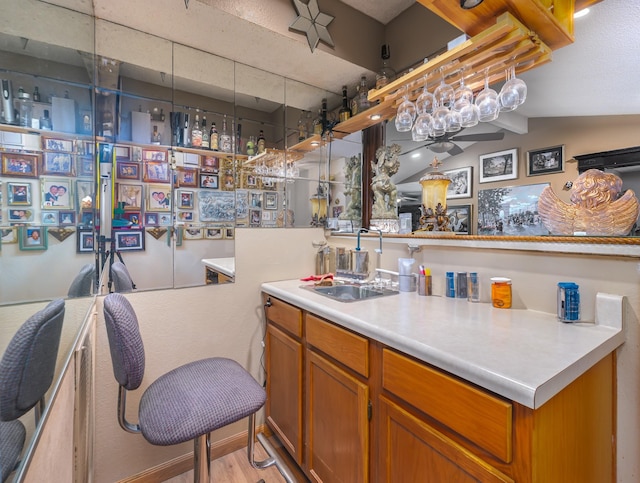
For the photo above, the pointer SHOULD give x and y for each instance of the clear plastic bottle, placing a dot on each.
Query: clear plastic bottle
(363, 92)
(386, 74)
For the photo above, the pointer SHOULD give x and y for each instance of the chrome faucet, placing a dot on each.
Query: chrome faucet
(366, 230)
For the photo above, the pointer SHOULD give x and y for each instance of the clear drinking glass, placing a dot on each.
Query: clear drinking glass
(487, 102)
(444, 93)
(425, 101)
(423, 127)
(406, 114)
(439, 124)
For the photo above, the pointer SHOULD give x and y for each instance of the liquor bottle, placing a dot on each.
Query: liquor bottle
(354, 101)
(36, 94)
(317, 123)
(238, 144)
(213, 137)
(323, 117)
(225, 138)
(363, 100)
(251, 146)
(45, 121)
(262, 143)
(155, 136)
(386, 74)
(196, 133)
(345, 111)
(205, 133)
(302, 127)
(186, 131)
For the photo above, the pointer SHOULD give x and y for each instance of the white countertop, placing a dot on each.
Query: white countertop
(226, 266)
(523, 355)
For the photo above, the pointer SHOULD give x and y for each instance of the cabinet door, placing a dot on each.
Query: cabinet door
(284, 389)
(337, 423)
(413, 451)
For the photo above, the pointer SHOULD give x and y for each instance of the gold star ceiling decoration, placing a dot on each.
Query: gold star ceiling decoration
(312, 22)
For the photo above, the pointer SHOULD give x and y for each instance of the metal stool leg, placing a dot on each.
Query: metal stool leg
(273, 459)
(202, 459)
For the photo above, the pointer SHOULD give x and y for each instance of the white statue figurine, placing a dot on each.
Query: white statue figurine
(384, 190)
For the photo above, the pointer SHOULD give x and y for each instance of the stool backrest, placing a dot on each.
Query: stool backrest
(81, 285)
(28, 364)
(125, 342)
(122, 281)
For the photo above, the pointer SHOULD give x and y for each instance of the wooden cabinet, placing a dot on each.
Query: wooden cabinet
(372, 413)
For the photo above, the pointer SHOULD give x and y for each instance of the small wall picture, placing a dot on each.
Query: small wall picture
(459, 219)
(255, 199)
(545, 161)
(14, 164)
(60, 145)
(126, 170)
(84, 194)
(188, 177)
(32, 238)
(186, 199)
(131, 196)
(209, 181)
(85, 241)
(8, 236)
(229, 232)
(154, 155)
(210, 164)
(49, 217)
(184, 216)
(86, 218)
(84, 166)
(19, 216)
(19, 194)
(156, 172)
(129, 240)
(123, 152)
(86, 147)
(270, 201)
(460, 186)
(164, 219)
(214, 233)
(60, 164)
(56, 194)
(67, 218)
(133, 218)
(158, 198)
(151, 219)
(192, 234)
(499, 166)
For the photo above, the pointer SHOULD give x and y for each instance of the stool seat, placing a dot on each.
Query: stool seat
(197, 398)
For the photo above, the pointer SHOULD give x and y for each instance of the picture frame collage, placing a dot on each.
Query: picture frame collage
(46, 190)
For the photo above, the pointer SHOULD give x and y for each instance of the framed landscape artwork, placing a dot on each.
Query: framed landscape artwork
(499, 166)
(460, 186)
(459, 219)
(545, 161)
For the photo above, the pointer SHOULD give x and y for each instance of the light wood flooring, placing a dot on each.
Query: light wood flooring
(235, 468)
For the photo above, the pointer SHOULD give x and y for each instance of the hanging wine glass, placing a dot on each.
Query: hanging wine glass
(519, 85)
(509, 96)
(463, 95)
(487, 102)
(439, 120)
(453, 121)
(406, 113)
(423, 127)
(425, 101)
(444, 92)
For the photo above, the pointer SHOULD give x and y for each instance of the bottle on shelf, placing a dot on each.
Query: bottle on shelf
(251, 146)
(386, 74)
(363, 91)
(213, 137)
(45, 120)
(345, 111)
(36, 94)
(155, 135)
(225, 138)
(317, 123)
(205, 133)
(323, 117)
(161, 115)
(302, 127)
(262, 143)
(238, 143)
(196, 133)
(354, 101)
(186, 131)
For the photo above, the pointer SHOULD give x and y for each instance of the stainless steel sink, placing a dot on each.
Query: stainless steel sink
(350, 293)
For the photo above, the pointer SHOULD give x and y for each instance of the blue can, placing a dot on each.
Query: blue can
(568, 302)
(450, 289)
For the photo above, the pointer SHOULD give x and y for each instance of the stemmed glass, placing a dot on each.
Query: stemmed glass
(513, 92)
(425, 101)
(423, 126)
(406, 113)
(487, 102)
(439, 125)
(444, 92)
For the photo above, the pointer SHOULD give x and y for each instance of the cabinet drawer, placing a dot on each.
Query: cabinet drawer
(346, 347)
(284, 315)
(480, 417)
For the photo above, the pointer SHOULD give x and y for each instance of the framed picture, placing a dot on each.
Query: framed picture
(59, 145)
(66, 217)
(209, 181)
(461, 181)
(459, 219)
(136, 154)
(186, 199)
(32, 238)
(512, 210)
(184, 216)
(122, 152)
(86, 148)
(158, 198)
(250, 180)
(19, 194)
(59, 164)
(216, 206)
(84, 194)
(8, 235)
(56, 194)
(127, 170)
(229, 232)
(14, 164)
(192, 234)
(255, 216)
(84, 166)
(154, 155)
(545, 161)
(19, 216)
(130, 195)
(187, 177)
(242, 205)
(85, 241)
(49, 217)
(255, 199)
(210, 164)
(164, 219)
(129, 240)
(105, 152)
(151, 219)
(499, 166)
(214, 233)
(86, 218)
(271, 201)
(156, 172)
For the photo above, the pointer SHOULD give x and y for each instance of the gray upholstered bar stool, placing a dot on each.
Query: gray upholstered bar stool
(27, 369)
(122, 281)
(186, 403)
